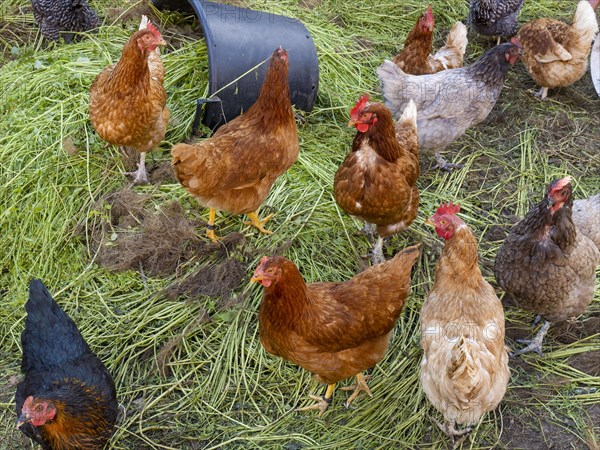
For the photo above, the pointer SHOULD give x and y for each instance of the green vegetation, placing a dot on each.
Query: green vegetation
(190, 371)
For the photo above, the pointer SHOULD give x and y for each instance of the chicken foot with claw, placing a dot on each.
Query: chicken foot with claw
(448, 428)
(140, 176)
(542, 93)
(255, 221)
(445, 165)
(535, 344)
(361, 385)
(322, 402)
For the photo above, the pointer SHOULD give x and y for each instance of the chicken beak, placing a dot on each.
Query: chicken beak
(429, 222)
(256, 279)
(21, 420)
(161, 42)
(352, 123)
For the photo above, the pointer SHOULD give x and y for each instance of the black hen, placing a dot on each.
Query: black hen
(67, 399)
(55, 16)
(494, 17)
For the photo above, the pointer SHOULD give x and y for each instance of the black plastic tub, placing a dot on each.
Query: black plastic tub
(239, 39)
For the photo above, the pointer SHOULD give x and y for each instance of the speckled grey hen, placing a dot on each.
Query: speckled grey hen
(450, 101)
(494, 17)
(546, 265)
(586, 217)
(60, 17)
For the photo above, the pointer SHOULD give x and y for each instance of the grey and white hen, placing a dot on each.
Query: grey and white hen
(451, 101)
(494, 17)
(63, 16)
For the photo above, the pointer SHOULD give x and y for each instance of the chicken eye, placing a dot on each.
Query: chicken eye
(443, 222)
(39, 408)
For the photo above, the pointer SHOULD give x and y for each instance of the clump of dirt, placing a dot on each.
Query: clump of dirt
(161, 173)
(128, 236)
(215, 281)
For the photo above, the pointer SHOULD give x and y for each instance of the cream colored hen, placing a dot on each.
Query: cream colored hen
(464, 371)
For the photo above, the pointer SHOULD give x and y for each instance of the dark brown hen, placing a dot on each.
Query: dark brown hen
(545, 265)
(377, 180)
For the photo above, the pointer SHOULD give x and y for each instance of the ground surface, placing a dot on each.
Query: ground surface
(173, 316)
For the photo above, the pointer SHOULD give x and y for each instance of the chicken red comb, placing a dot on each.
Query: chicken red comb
(360, 104)
(560, 184)
(429, 14)
(515, 41)
(154, 30)
(448, 208)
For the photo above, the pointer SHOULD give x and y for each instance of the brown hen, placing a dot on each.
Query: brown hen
(128, 100)
(556, 54)
(235, 169)
(416, 58)
(377, 180)
(334, 330)
(464, 371)
(545, 265)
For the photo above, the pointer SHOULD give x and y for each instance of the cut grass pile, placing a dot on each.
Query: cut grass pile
(190, 370)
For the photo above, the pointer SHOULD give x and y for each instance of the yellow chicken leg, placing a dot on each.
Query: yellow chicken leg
(210, 227)
(258, 223)
(322, 402)
(361, 385)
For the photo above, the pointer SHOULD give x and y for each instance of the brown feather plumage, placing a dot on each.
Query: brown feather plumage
(416, 58)
(556, 54)
(235, 169)
(334, 330)
(465, 364)
(128, 100)
(377, 180)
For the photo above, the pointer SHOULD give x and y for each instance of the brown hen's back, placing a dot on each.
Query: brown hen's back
(128, 100)
(235, 169)
(334, 330)
(377, 180)
(554, 53)
(546, 266)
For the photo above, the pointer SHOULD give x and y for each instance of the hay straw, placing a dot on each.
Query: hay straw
(222, 390)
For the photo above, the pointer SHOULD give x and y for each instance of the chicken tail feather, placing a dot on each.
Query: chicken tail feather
(457, 38)
(409, 116)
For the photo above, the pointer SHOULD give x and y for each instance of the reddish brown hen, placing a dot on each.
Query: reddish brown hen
(128, 100)
(235, 169)
(545, 265)
(416, 58)
(377, 180)
(334, 330)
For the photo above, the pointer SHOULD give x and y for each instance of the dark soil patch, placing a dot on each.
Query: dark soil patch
(127, 236)
(216, 281)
